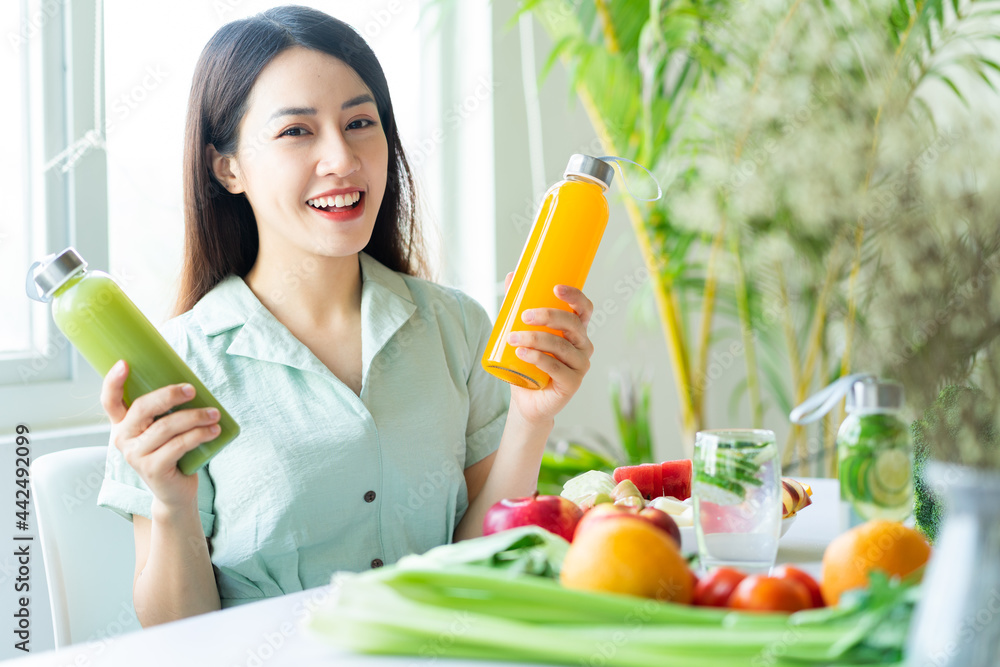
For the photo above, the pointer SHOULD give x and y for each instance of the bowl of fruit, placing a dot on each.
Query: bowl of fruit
(667, 487)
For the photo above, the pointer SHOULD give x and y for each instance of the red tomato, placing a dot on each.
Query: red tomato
(762, 593)
(792, 572)
(714, 589)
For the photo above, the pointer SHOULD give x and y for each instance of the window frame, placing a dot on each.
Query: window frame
(51, 385)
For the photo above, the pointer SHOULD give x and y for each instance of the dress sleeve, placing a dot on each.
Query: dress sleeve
(123, 490)
(489, 397)
(124, 493)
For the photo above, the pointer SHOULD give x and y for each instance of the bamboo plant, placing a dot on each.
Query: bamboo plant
(786, 134)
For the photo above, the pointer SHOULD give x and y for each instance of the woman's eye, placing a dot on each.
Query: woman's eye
(293, 132)
(360, 123)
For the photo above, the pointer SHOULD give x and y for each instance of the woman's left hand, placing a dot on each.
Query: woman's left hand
(565, 358)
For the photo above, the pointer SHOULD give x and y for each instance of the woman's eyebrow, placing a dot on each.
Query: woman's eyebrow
(292, 111)
(356, 101)
(311, 111)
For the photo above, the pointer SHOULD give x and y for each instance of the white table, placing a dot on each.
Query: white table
(270, 633)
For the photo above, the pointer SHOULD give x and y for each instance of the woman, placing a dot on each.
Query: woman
(369, 429)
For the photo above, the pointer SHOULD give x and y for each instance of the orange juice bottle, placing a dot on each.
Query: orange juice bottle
(559, 251)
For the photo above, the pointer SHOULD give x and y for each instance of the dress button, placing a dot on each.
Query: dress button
(369, 496)
(377, 563)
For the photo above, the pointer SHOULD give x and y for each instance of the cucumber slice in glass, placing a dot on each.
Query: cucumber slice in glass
(890, 478)
(718, 490)
(854, 477)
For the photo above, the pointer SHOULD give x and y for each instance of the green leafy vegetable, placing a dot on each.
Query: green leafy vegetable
(567, 461)
(524, 550)
(438, 605)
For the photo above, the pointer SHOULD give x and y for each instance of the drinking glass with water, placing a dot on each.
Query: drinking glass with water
(737, 498)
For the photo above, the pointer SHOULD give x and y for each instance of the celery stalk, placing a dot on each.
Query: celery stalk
(468, 614)
(449, 603)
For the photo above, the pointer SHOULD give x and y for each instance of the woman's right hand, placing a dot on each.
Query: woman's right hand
(153, 446)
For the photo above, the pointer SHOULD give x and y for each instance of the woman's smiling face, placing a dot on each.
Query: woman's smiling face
(312, 157)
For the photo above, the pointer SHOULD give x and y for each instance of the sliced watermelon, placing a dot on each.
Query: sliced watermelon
(676, 479)
(657, 480)
(643, 476)
(671, 478)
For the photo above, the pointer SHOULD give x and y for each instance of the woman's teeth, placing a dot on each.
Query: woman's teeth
(339, 201)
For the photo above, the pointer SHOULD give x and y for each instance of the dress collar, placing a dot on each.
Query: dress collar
(386, 304)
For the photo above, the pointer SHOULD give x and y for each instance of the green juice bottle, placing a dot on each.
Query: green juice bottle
(102, 323)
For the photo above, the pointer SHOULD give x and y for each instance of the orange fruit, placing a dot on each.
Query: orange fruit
(622, 555)
(887, 546)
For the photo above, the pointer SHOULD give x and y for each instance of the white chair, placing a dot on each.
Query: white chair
(89, 552)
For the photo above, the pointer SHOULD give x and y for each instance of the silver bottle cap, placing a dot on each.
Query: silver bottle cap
(50, 273)
(875, 395)
(591, 169)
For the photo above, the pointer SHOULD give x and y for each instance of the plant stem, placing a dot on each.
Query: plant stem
(609, 29)
(815, 339)
(760, 70)
(709, 296)
(746, 330)
(663, 291)
(707, 312)
(792, 344)
(845, 363)
(828, 462)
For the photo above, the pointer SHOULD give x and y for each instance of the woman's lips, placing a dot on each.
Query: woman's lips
(342, 214)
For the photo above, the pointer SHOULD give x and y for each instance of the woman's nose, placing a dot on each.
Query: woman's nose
(337, 157)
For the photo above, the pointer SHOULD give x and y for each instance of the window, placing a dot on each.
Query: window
(15, 337)
(60, 196)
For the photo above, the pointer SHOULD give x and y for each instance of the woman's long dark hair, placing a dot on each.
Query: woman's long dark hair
(220, 236)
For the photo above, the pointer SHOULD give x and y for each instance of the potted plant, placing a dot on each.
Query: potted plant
(790, 137)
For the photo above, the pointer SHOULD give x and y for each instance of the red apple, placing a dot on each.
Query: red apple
(553, 513)
(661, 519)
(603, 511)
(651, 515)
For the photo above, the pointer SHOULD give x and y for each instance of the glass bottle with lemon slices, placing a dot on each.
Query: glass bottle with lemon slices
(874, 452)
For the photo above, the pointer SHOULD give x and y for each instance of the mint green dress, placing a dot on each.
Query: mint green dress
(320, 479)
